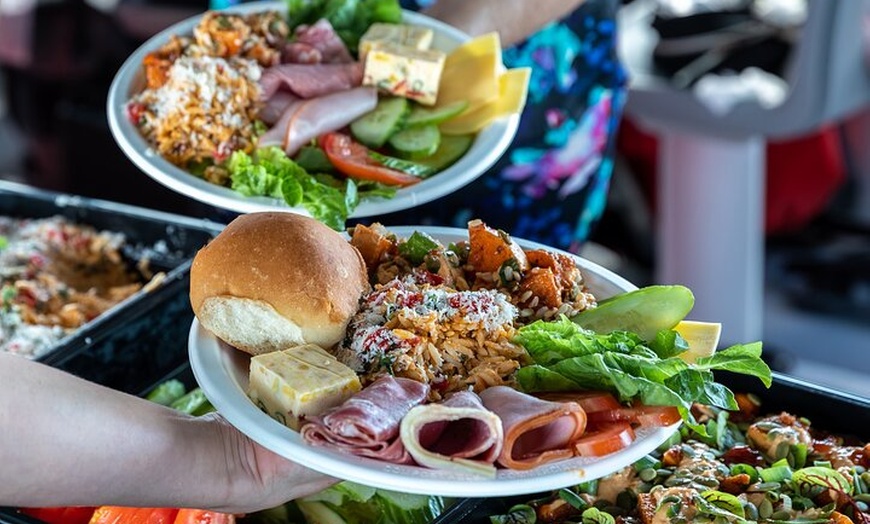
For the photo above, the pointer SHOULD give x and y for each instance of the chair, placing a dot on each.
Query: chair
(710, 194)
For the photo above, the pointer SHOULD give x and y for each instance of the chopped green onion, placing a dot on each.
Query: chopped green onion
(738, 469)
(573, 498)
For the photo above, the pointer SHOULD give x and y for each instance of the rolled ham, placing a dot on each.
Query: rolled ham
(305, 120)
(275, 106)
(535, 431)
(367, 424)
(317, 43)
(310, 80)
(458, 434)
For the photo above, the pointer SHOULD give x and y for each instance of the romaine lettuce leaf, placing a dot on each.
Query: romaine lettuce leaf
(567, 356)
(270, 172)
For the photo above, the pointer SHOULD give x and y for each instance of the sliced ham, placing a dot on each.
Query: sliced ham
(457, 434)
(535, 431)
(305, 120)
(321, 37)
(275, 106)
(310, 80)
(367, 424)
(300, 53)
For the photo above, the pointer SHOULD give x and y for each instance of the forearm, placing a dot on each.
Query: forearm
(513, 19)
(66, 441)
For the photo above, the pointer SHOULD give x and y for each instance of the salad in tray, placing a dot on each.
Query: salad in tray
(752, 466)
(472, 357)
(322, 104)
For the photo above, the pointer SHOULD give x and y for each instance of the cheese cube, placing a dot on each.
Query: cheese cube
(302, 381)
(404, 71)
(413, 36)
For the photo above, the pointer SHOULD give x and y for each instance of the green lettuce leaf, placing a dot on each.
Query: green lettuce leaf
(740, 358)
(567, 356)
(270, 172)
(550, 342)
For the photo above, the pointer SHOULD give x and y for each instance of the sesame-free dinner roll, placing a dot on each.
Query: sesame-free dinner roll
(273, 280)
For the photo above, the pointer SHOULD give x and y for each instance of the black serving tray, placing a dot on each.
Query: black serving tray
(827, 409)
(145, 336)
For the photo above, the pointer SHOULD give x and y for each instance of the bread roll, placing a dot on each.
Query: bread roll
(274, 280)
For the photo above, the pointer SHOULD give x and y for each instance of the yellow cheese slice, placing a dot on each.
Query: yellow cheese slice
(513, 87)
(702, 337)
(471, 71)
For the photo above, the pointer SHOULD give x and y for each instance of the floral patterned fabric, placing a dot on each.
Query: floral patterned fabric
(551, 185)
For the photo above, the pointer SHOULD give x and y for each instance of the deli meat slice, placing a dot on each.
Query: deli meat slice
(457, 434)
(317, 43)
(275, 106)
(305, 120)
(310, 80)
(367, 424)
(535, 431)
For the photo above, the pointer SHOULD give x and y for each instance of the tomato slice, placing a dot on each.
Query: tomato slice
(201, 516)
(352, 159)
(590, 401)
(653, 416)
(62, 515)
(125, 515)
(604, 439)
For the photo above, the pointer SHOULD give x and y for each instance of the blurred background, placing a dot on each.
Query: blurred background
(743, 158)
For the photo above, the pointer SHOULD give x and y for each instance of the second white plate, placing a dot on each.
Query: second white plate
(489, 144)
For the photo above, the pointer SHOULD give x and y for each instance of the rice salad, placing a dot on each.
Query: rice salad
(447, 315)
(57, 275)
(203, 94)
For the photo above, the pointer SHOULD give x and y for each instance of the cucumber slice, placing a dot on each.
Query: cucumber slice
(374, 128)
(645, 311)
(452, 147)
(425, 116)
(416, 142)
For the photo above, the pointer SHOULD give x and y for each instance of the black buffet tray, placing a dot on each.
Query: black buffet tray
(146, 335)
(829, 410)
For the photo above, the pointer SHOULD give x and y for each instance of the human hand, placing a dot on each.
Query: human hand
(257, 478)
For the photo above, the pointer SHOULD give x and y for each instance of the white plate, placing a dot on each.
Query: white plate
(487, 148)
(222, 373)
